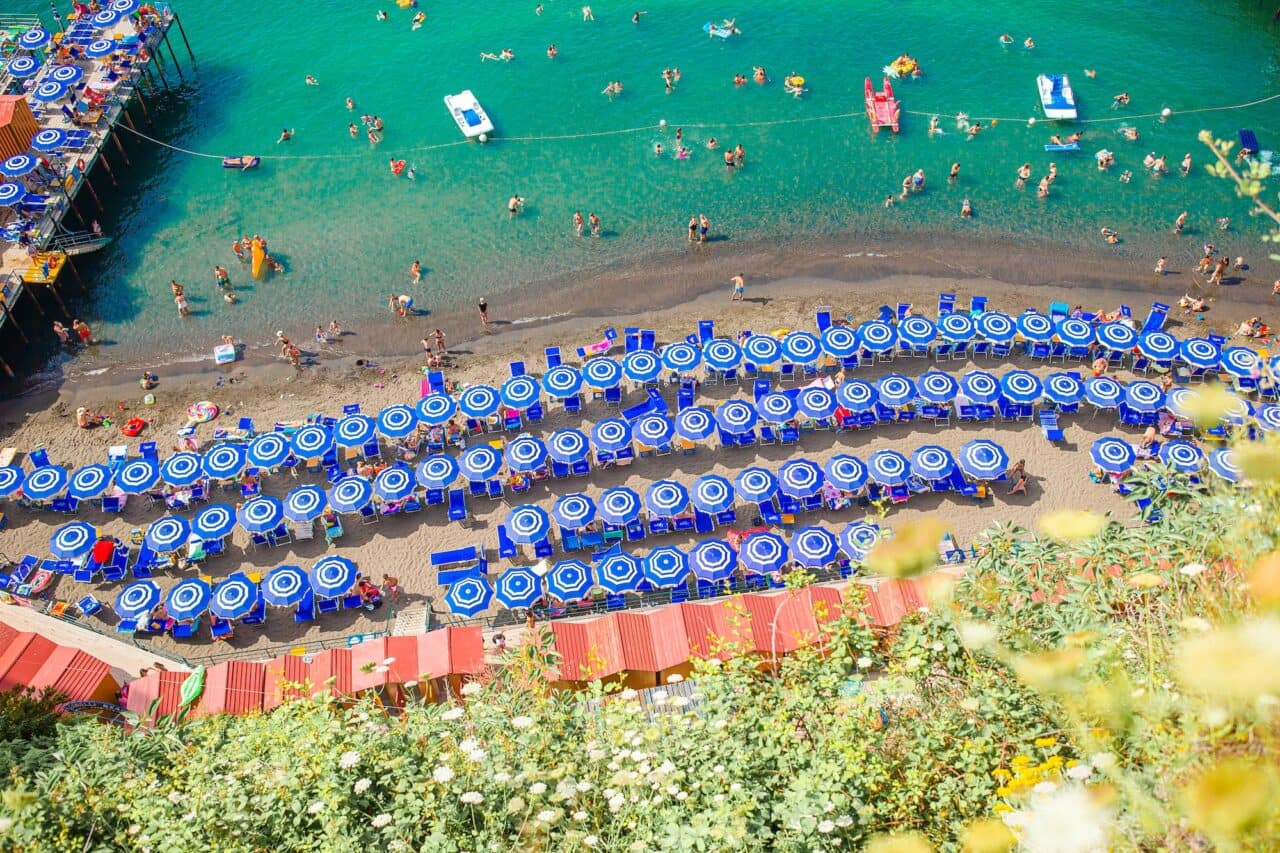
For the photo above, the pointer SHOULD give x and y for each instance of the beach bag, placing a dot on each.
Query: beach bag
(133, 427)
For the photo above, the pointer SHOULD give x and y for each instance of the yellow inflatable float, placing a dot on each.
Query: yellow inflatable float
(259, 255)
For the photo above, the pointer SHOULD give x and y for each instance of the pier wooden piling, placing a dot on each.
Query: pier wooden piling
(182, 31)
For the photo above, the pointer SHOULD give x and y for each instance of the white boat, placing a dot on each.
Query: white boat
(472, 120)
(1056, 97)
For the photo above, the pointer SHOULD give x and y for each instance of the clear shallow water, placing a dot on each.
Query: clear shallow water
(348, 229)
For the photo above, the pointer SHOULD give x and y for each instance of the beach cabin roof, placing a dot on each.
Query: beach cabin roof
(17, 126)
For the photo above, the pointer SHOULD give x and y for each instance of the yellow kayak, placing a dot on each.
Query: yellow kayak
(259, 256)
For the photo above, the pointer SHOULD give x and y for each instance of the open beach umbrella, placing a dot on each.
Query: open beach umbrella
(527, 524)
(801, 348)
(1223, 463)
(1113, 455)
(350, 494)
(520, 392)
(124, 7)
(354, 431)
(1273, 367)
(721, 354)
(932, 462)
(394, 483)
(800, 478)
(761, 350)
(478, 401)
(182, 469)
(310, 442)
(570, 580)
(137, 475)
(778, 407)
(763, 553)
(525, 454)
(713, 560)
(846, 472)
(89, 482)
(1180, 401)
(1241, 362)
(1103, 392)
(956, 328)
(979, 386)
(99, 48)
(1021, 386)
(654, 430)
(106, 18)
(1117, 336)
(858, 538)
(934, 386)
(34, 38)
(562, 381)
(260, 514)
(681, 357)
(666, 567)
(11, 478)
(736, 416)
(895, 390)
(916, 331)
(50, 139)
(996, 327)
(755, 485)
(22, 67)
(224, 461)
(1063, 388)
(840, 342)
(1268, 417)
(666, 498)
(641, 366)
(1035, 327)
(602, 372)
(286, 586)
(45, 482)
(1200, 353)
(65, 74)
(235, 597)
(306, 503)
(437, 471)
(74, 540)
(856, 395)
(888, 467)
(1236, 410)
(712, 493)
(618, 505)
(49, 90)
(214, 522)
(695, 423)
(1182, 456)
(1158, 345)
(518, 586)
(568, 446)
(618, 572)
(877, 336)
(265, 451)
(188, 599)
(479, 462)
(468, 596)
(19, 165)
(814, 547)
(11, 193)
(611, 435)
(816, 402)
(332, 576)
(1143, 396)
(1074, 332)
(137, 600)
(983, 459)
(574, 511)
(397, 421)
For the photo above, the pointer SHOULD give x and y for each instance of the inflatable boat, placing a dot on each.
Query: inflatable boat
(472, 120)
(883, 109)
(720, 30)
(1056, 96)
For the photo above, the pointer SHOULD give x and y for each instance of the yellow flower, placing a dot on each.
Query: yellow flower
(1146, 580)
(1001, 774)
(1044, 742)
(1020, 759)
(1264, 580)
(1259, 460)
(986, 836)
(907, 842)
(1002, 808)
(1226, 800)
(912, 551)
(1207, 407)
(1003, 791)
(1233, 664)
(1071, 525)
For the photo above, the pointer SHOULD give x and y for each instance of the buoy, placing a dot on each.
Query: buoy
(662, 122)
(484, 137)
(1031, 122)
(1165, 113)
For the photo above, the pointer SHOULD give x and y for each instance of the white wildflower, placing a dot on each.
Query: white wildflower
(452, 714)
(538, 788)
(522, 722)
(675, 678)
(682, 796)
(348, 759)
(628, 694)
(913, 663)
(976, 635)
(658, 697)
(1102, 760)
(442, 774)
(1192, 569)
(380, 820)
(472, 798)
(471, 688)
(616, 802)
(937, 647)
(589, 840)
(735, 787)
(864, 662)
(515, 805)
(388, 661)
(502, 777)
(1044, 788)
(548, 815)
(1015, 820)
(315, 808)
(583, 787)
(718, 769)
(844, 820)
(361, 786)
(826, 827)
(580, 816)
(680, 701)
(6, 824)
(1080, 772)
(1065, 821)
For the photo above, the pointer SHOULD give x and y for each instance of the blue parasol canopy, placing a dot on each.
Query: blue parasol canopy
(332, 576)
(214, 522)
(681, 357)
(49, 139)
(800, 478)
(11, 193)
(520, 392)
(569, 580)
(1117, 336)
(856, 395)
(137, 600)
(814, 547)
(916, 331)
(1074, 332)
(19, 165)
(311, 442)
(1222, 462)
(801, 348)
(224, 461)
(574, 511)
(265, 451)
(65, 74)
(713, 560)
(846, 472)
(666, 498)
(45, 482)
(49, 90)
(736, 416)
(22, 67)
(695, 423)
(983, 459)
(1143, 396)
(99, 48)
(979, 386)
(1113, 455)
(260, 514)
(641, 366)
(562, 381)
(354, 431)
(956, 328)
(1035, 327)
(397, 421)
(1021, 386)
(755, 485)
(468, 596)
(350, 494)
(619, 505)
(840, 342)
(1268, 417)
(479, 401)
(480, 462)
(1103, 391)
(518, 586)
(712, 493)
(182, 469)
(188, 599)
(527, 524)
(666, 567)
(1063, 388)
(654, 430)
(137, 475)
(1182, 456)
(618, 572)
(235, 597)
(996, 327)
(877, 336)
(1158, 345)
(888, 467)
(895, 390)
(34, 38)
(611, 435)
(74, 540)
(721, 354)
(568, 446)
(525, 454)
(105, 18)
(858, 538)
(394, 483)
(11, 478)
(286, 586)
(936, 387)
(1200, 353)
(778, 406)
(816, 402)
(89, 482)
(437, 471)
(763, 553)
(602, 372)
(761, 350)
(1241, 362)
(932, 462)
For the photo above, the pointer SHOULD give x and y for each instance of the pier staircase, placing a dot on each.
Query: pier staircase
(79, 242)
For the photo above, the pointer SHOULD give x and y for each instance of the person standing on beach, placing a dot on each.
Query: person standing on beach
(1160, 265)
(578, 222)
(704, 225)
(82, 329)
(64, 337)
(515, 204)
(594, 222)
(1179, 222)
(415, 272)
(484, 313)
(739, 283)
(440, 347)
(220, 276)
(693, 229)
(184, 310)
(1024, 174)
(955, 172)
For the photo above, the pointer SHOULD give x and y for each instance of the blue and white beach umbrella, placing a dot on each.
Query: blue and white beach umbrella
(34, 38)
(800, 478)
(712, 493)
(877, 336)
(1237, 410)
(762, 349)
(182, 469)
(468, 596)
(167, 534)
(124, 7)
(105, 18)
(89, 482)
(311, 442)
(478, 401)
(983, 459)
(641, 366)
(895, 390)
(527, 524)
(778, 406)
(845, 472)
(713, 560)
(65, 74)
(736, 416)
(437, 471)
(1223, 463)
(602, 372)
(763, 553)
(223, 462)
(1180, 401)
(856, 395)
(1241, 362)
(979, 386)
(570, 580)
(956, 328)
(49, 90)
(814, 547)
(137, 475)
(1113, 455)
(11, 192)
(666, 498)
(568, 446)
(1063, 388)
(188, 599)
(681, 357)
(666, 567)
(562, 381)
(1273, 367)
(1117, 336)
(1200, 353)
(137, 600)
(695, 423)
(45, 482)
(618, 572)
(215, 522)
(395, 483)
(858, 538)
(99, 48)
(932, 462)
(72, 541)
(520, 392)
(332, 576)
(1021, 386)
(1182, 456)
(721, 354)
(934, 386)
(611, 435)
(755, 485)
(888, 467)
(480, 462)
(1103, 392)
(1143, 396)
(801, 347)
(49, 139)
(526, 454)
(840, 342)
(235, 597)
(1075, 332)
(354, 431)
(654, 430)
(916, 331)
(286, 586)
(397, 421)
(996, 327)
(1157, 345)
(11, 478)
(22, 67)
(518, 586)
(260, 514)
(816, 402)
(19, 165)
(1268, 417)
(618, 505)
(574, 511)
(350, 494)
(265, 451)
(1035, 327)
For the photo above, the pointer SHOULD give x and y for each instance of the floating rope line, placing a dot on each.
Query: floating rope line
(1124, 117)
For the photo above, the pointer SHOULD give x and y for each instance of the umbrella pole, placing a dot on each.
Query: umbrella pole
(182, 31)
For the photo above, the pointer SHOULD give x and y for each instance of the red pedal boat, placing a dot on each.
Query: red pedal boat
(883, 109)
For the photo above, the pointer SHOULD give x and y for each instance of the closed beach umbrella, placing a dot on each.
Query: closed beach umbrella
(763, 553)
(611, 435)
(305, 503)
(182, 469)
(49, 90)
(979, 386)
(695, 423)
(1268, 417)
(394, 483)
(641, 366)
(934, 386)
(437, 471)
(520, 392)
(350, 494)
(265, 451)
(666, 567)
(736, 416)
(712, 493)
(45, 482)
(1200, 353)
(562, 381)
(681, 357)
(666, 498)
(480, 462)
(137, 600)
(89, 482)
(34, 38)
(721, 354)
(11, 193)
(354, 431)
(755, 485)
(654, 430)
(1035, 327)
(11, 479)
(570, 580)
(1021, 386)
(188, 599)
(1113, 455)
(1074, 332)
(49, 139)
(19, 165)
(527, 524)
(846, 472)
(214, 522)
(713, 560)
(762, 350)
(99, 48)
(1241, 362)
(877, 336)
(619, 505)
(397, 421)
(1182, 456)
(468, 596)
(137, 475)
(222, 462)
(840, 342)
(574, 511)
(1143, 396)
(1117, 336)
(856, 395)
(518, 586)
(1063, 388)
(602, 372)
(479, 401)
(996, 327)
(1223, 463)
(72, 541)
(956, 328)
(22, 67)
(525, 454)
(800, 478)
(888, 467)
(858, 538)
(332, 576)
(65, 74)
(816, 402)
(568, 446)
(1158, 345)
(983, 459)
(814, 547)
(618, 572)
(801, 348)
(932, 462)
(917, 331)
(260, 514)
(895, 390)
(286, 586)
(235, 597)
(777, 406)
(1103, 392)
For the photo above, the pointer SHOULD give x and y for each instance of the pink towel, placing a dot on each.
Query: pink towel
(424, 388)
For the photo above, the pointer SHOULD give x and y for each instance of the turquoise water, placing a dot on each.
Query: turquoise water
(349, 230)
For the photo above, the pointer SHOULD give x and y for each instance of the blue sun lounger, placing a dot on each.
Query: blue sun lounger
(1248, 142)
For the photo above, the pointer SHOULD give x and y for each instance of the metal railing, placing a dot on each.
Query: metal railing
(91, 625)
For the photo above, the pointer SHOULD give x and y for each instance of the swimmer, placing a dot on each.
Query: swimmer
(1043, 190)
(917, 180)
(757, 74)
(906, 186)
(418, 20)
(351, 104)
(1053, 172)
(1179, 222)
(1126, 176)
(311, 81)
(1186, 165)
(578, 222)
(1130, 133)
(1024, 173)
(1029, 43)
(415, 272)
(508, 54)
(515, 205)
(728, 159)
(682, 153)
(285, 136)
(493, 56)
(679, 134)
(1075, 137)
(933, 126)
(1150, 160)
(353, 130)
(1110, 236)
(1120, 100)
(657, 149)
(411, 174)
(635, 17)
(1159, 166)
(381, 16)
(888, 200)
(586, 14)
(1006, 39)
(1224, 223)
(955, 172)
(1055, 140)
(374, 139)
(712, 144)
(551, 52)
(966, 209)
(1090, 73)
(221, 276)
(739, 155)
(975, 129)
(1160, 265)
(538, 9)
(593, 222)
